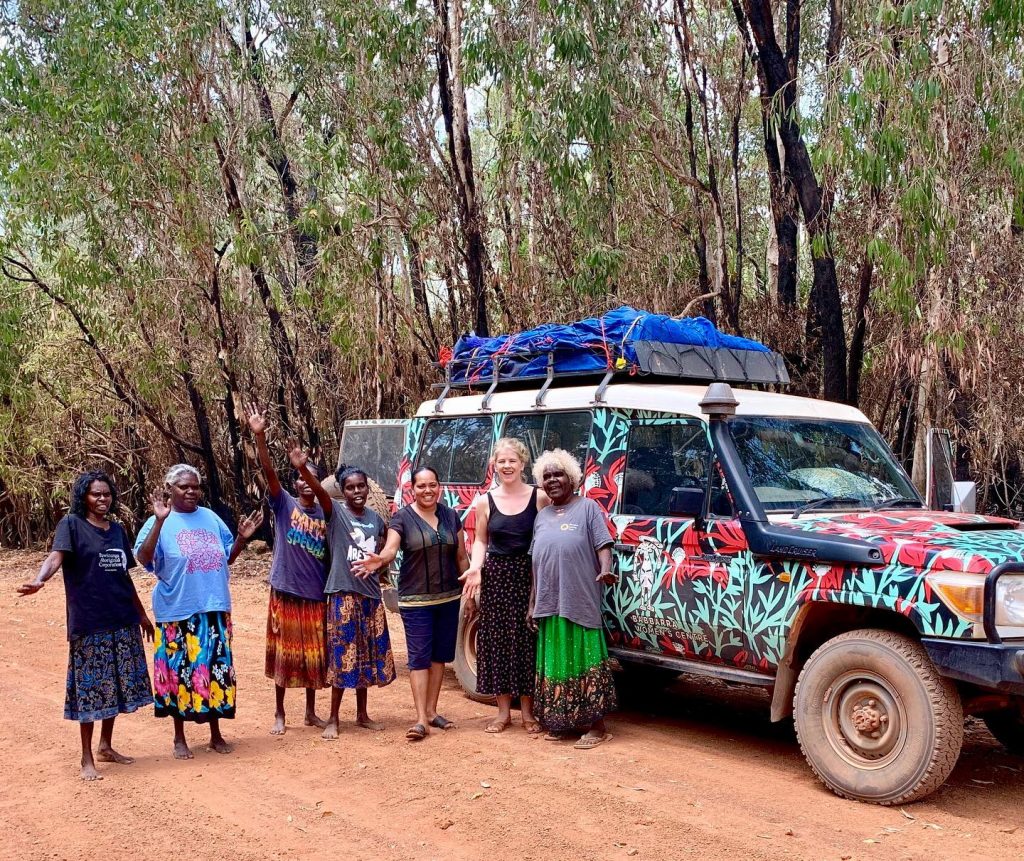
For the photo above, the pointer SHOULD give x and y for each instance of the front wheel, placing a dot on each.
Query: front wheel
(465, 654)
(875, 720)
(1007, 725)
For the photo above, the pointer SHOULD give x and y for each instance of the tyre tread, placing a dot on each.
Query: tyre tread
(942, 696)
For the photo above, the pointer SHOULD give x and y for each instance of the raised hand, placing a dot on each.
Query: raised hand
(248, 525)
(257, 420)
(160, 501)
(297, 456)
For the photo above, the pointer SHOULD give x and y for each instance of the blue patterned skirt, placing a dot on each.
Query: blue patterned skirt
(193, 668)
(107, 675)
(358, 643)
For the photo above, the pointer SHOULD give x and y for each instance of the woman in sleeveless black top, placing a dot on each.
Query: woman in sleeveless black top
(506, 649)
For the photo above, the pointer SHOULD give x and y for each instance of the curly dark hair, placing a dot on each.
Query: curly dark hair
(345, 472)
(81, 487)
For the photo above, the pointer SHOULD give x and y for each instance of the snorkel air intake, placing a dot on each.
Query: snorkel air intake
(764, 538)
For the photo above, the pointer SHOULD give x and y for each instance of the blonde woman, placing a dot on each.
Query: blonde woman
(499, 576)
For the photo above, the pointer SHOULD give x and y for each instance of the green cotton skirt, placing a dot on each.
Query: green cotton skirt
(574, 680)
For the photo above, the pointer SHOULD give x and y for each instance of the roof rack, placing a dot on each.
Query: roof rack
(681, 363)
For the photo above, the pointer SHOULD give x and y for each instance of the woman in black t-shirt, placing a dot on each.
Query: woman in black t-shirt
(434, 556)
(107, 670)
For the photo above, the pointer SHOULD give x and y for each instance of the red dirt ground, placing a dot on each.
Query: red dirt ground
(693, 772)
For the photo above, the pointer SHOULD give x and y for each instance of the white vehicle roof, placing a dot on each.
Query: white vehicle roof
(667, 398)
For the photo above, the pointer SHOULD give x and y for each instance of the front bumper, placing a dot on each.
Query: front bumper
(993, 666)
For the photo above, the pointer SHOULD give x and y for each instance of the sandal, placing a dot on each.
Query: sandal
(532, 727)
(588, 741)
(441, 722)
(496, 726)
(417, 732)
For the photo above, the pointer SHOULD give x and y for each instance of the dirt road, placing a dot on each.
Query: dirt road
(694, 772)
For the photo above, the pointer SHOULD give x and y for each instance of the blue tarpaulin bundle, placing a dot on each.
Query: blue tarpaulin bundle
(593, 345)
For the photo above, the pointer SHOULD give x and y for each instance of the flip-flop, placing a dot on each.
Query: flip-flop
(497, 726)
(441, 722)
(586, 742)
(532, 727)
(417, 732)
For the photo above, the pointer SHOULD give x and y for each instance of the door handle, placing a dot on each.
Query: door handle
(624, 547)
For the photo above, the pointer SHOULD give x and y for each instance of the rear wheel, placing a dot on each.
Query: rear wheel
(875, 720)
(1007, 725)
(465, 656)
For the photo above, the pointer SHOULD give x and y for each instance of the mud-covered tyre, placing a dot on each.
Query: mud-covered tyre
(465, 656)
(875, 720)
(1007, 725)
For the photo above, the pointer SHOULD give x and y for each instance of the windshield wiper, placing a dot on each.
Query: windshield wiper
(898, 502)
(825, 500)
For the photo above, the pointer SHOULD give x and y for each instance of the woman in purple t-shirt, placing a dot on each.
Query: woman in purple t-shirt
(107, 670)
(296, 652)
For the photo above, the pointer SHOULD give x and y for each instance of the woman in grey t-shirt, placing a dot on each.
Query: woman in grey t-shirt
(571, 562)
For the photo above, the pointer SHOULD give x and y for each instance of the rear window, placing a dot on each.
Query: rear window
(457, 448)
(541, 432)
(375, 448)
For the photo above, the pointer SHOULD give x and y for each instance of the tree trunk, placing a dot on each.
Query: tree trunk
(452, 94)
(825, 315)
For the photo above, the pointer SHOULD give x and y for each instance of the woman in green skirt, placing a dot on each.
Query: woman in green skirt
(572, 560)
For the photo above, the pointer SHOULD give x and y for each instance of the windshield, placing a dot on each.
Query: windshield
(792, 462)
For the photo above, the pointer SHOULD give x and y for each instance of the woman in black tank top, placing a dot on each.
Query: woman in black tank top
(499, 576)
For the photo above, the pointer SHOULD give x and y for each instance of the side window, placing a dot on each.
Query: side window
(542, 431)
(457, 448)
(660, 458)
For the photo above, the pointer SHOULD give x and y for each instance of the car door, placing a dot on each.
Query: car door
(676, 594)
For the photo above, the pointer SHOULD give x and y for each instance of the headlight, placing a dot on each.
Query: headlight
(965, 595)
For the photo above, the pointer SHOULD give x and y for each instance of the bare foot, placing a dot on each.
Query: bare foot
(181, 750)
(330, 730)
(89, 772)
(108, 754)
(365, 722)
(218, 745)
(278, 728)
(313, 720)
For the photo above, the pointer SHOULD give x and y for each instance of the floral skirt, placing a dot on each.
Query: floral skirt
(506, 648)
(296, 656)
(193, 672)
(358, 642)
(574, 680)
(107, 675)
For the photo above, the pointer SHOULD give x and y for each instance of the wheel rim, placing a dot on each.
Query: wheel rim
(865, 719)
(469, 642)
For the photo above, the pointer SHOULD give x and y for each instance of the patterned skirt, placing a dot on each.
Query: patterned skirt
(358, 642)
(506, 649)
(107, 675)
(296, 655)
(574, 681)
(193, 671)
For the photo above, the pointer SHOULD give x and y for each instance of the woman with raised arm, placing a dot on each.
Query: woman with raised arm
(189, 548)
(500, 575)
(358, 641)
(296, 655)
(572, 560)
(433, 547)
(107, 671)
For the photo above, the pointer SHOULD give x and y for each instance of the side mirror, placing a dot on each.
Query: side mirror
(686, 502)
